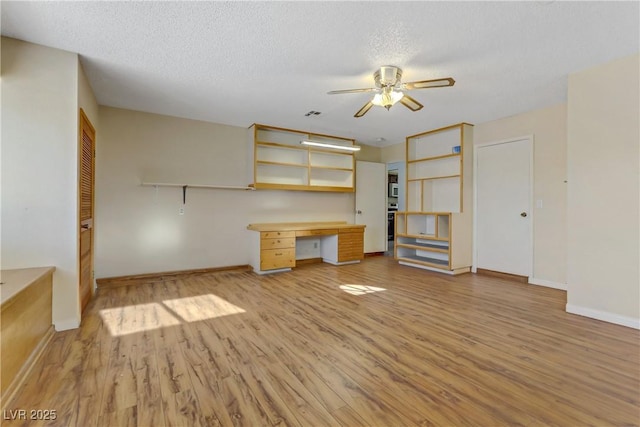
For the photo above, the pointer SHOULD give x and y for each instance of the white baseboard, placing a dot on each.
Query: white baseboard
(547, 283)
(604, 316)
(66, 324)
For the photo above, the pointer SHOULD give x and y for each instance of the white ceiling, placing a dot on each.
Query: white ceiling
(240, 63)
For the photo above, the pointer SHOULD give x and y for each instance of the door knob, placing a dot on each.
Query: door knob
(359, 212)
(523, 214)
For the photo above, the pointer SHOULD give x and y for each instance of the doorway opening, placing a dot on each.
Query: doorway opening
(395, 199)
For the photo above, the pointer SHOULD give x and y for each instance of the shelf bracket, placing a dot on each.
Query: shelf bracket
(184, 194)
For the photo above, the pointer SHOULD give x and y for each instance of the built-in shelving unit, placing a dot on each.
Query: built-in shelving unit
(435, 230)
(280, 162)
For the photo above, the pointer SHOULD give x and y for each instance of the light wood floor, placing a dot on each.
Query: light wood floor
(236, 349)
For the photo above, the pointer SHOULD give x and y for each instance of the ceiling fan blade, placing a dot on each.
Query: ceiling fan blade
(427, 84)
(337, 92)
(410, 103)
(361, 112)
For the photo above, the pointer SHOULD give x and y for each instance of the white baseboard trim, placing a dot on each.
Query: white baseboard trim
(547, 283)
(604, 316)
(66, 324)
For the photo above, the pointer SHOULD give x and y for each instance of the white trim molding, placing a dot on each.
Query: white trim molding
(66, 324)
(547, 283)
(604, 316)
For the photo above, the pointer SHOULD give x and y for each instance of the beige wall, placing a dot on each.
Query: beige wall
(603, 174)
(86, 98)
(548, 127)
(368, 153)
(139, 230)
(393, 153)
(39, 168)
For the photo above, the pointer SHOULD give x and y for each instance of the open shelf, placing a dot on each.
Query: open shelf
(435, 230)
(434, 262)
(424, 246)
(279, 161)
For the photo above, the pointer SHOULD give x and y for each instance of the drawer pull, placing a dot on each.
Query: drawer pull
(278, 253)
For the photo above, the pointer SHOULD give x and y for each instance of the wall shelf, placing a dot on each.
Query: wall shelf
(279, 162)
(218, 187)
(185, 186)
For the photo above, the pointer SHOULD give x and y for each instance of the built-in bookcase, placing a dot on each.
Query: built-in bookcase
(281, 162)
(434, 231)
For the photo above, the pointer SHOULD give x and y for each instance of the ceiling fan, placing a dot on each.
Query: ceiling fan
(390, 90)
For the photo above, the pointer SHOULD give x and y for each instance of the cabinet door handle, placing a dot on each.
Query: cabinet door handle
(523, 214)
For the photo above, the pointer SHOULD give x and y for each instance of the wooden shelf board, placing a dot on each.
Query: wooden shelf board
(424, 236)
(218, 187)
(434, 177)
(279, 145)
(425, 159)
(431, 262)
(301, 187)
(424, 247)
(332, 168)
(294, 165)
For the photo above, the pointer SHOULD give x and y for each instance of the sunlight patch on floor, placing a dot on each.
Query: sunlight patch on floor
(360, 289)
(146, 317)
(137, 318)
(201, 307)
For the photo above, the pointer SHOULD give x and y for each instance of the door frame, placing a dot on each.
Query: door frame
(530, 141)
(401, 167)
(83, 118)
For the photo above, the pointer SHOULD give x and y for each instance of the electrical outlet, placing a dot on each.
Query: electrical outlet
(181, 211)
(315, 245)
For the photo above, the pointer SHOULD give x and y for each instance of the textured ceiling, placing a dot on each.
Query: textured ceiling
(271, 62)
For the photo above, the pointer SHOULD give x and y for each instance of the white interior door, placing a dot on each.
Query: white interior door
(371, 204)
(503, 207)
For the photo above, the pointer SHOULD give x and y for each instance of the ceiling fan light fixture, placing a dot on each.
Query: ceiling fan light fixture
(390, 89)
(387, 99)
(334, 146)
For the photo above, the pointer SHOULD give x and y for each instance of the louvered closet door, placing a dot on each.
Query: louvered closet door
(87, 145)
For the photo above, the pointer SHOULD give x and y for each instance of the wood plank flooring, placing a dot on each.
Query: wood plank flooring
(406, 347)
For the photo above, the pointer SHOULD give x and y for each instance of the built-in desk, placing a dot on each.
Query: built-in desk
(273, 246)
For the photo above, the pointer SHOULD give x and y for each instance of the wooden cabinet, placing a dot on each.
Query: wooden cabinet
(25, 324)
(350, 244)
(277, 249)
(435, 230)
(280, 162)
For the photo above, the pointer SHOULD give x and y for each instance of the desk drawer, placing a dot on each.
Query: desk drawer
(277, 258)
(276, 234)
(321, 232)
(359, 230)
(287, 242)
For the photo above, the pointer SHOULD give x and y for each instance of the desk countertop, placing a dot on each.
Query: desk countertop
(13, 281)
(297, 226)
